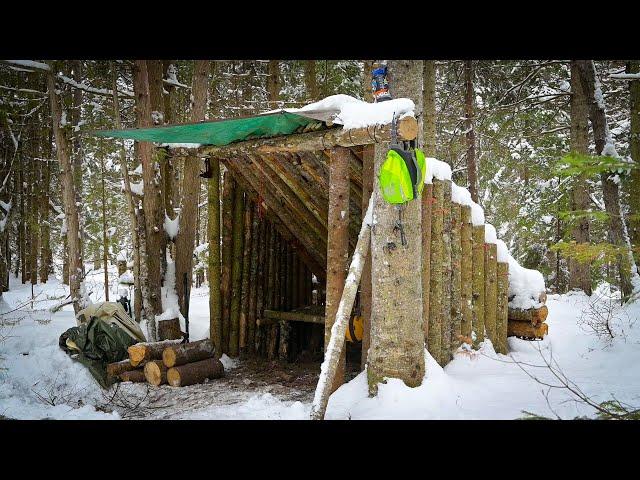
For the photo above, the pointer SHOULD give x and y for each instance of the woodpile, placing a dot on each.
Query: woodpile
(528, 324)
(169, 362)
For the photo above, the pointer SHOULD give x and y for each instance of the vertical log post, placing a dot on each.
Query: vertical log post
(236, 272)
(228, 190)
(466, 280)
(502, 310)
(365, 282)
(436, 283)
(478, 283)
(246, 265)
(427, 202)
(337, 246)
(253, 279)
(456, 277)
(490, 291)
(447, 326)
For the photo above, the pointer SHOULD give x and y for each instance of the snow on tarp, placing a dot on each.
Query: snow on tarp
(525, 285)
(352, 113)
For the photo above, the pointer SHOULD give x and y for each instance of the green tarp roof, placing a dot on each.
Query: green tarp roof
(223, 132)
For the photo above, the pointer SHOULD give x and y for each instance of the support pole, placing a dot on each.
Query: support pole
(466, 263)
(337, 247)
(490, 291)
(478, 283)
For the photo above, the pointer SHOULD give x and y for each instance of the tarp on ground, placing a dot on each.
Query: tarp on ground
(224, 132)
(103, 334)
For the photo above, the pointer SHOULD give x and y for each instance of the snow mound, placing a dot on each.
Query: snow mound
(438, 170)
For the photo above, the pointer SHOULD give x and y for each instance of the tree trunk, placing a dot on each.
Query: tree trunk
(190, 190)
(447, 319)
(131, 202)
(273, 82)
(469, 99)
(105, 239)
(634, 149)
(169, 329)
(213, 260)
(429, 108)
(151, 205)
(579, 273)
(45, 230)
(76, 269)
(397, 337)
(618, 235)
(337, 248)
(310, 81)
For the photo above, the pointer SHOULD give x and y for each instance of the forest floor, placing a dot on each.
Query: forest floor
(38, 380)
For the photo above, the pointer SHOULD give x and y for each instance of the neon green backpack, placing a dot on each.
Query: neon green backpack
(402, 174)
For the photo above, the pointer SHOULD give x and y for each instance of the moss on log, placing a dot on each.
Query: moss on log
(436, 285)
(502, 310)
(456, 278)
(490, 291)
(478, 283)
(466, 277)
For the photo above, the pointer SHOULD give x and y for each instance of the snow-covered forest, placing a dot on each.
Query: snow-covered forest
(542, 153)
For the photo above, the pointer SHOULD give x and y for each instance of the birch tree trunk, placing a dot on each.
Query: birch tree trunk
(69, 196)
(397, 337)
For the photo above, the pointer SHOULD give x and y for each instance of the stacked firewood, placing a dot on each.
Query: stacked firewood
(530, 323)
(169, 362)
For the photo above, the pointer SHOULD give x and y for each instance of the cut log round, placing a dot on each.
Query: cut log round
(196, 372)
(176, 355)
(143, 352)
(169, 329)
(155, 372)
(534, 316)
(115, 369)
(136, 376)
(526, 330)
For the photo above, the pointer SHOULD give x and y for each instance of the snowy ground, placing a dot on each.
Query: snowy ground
(38, 380)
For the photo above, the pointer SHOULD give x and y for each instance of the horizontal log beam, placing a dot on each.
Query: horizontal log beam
(312, 141)
(275, 316)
